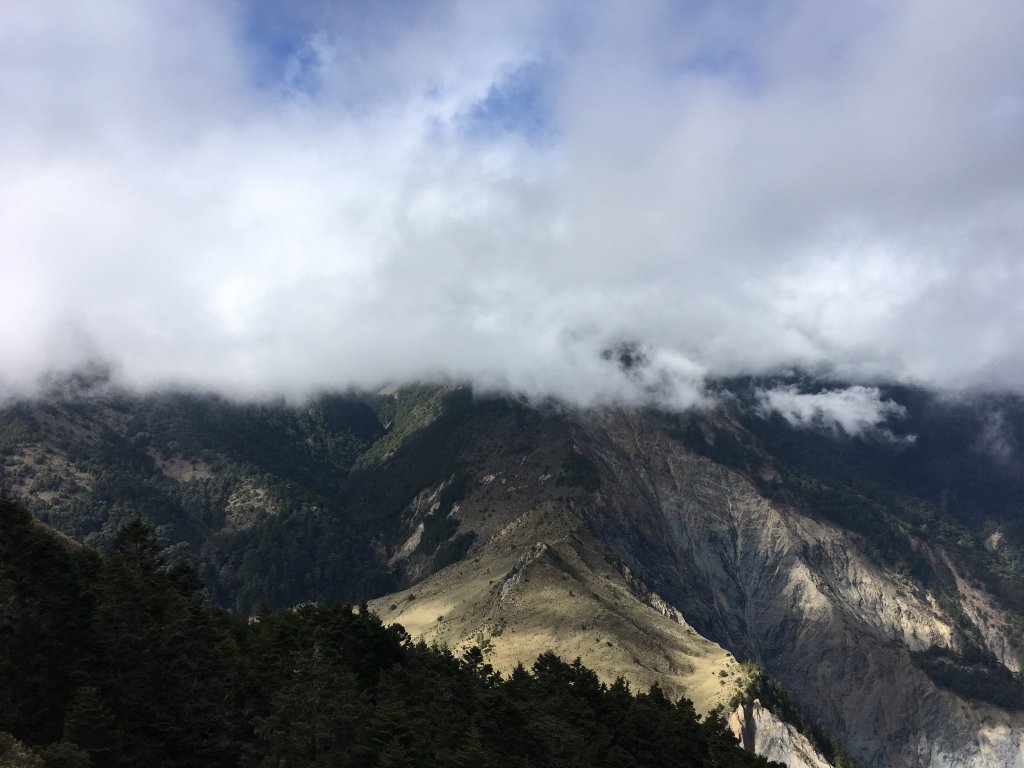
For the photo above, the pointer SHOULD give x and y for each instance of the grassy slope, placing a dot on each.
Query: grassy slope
(542, 583)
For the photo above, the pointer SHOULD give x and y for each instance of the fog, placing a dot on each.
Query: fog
(267, 202)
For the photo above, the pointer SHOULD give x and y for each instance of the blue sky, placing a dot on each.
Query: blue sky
(266, 198)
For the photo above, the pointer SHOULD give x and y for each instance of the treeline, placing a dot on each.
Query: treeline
(114, 661)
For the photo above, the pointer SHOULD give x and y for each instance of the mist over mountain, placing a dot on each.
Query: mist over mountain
(263, 201)
(683, 339)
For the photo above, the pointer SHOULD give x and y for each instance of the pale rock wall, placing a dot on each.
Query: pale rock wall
(761, 732)
(800, 596)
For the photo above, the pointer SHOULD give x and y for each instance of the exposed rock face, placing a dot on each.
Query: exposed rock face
(1002, 634)
(762, 732)
(795, 594)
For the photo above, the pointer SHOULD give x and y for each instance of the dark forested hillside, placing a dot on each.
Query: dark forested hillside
(266, 500)
(273, 503)
(114, 661)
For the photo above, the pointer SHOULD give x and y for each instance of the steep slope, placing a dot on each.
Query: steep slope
(536, 578)
(879, 582)
(248, 492)
(763, 733)
(796, 593)
(841, 625)
(543, 583)
(113, 661)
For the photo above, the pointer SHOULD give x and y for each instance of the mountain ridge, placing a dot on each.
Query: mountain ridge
(724, 517)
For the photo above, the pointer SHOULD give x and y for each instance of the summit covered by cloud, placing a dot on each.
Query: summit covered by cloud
(265, 201)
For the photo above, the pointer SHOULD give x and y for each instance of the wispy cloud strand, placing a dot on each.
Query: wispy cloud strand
(855, 411)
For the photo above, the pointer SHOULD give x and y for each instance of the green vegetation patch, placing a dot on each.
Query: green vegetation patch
(974, 674)
(116, 662)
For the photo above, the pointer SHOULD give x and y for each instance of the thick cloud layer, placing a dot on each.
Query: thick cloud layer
(265, 201)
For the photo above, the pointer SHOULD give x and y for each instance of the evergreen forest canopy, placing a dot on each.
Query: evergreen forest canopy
(268, 501)
(115, 661)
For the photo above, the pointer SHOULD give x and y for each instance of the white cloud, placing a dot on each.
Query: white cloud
(855, 411)
(738, 190)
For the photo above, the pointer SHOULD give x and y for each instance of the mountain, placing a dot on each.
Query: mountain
(113, 661)
(828, 588)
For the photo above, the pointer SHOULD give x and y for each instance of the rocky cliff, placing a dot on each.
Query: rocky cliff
(799, 595)
(762, 732)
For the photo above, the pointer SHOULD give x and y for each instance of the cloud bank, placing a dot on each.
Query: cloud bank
(257, 200)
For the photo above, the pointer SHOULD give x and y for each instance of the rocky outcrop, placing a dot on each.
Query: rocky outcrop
(761, 732)
(515, 576)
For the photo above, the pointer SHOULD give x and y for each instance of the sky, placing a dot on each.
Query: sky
(264, 198)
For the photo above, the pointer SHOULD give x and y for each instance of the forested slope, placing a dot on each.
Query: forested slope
(114, 661)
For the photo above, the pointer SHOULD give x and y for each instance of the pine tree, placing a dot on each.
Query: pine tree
(91, 726)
